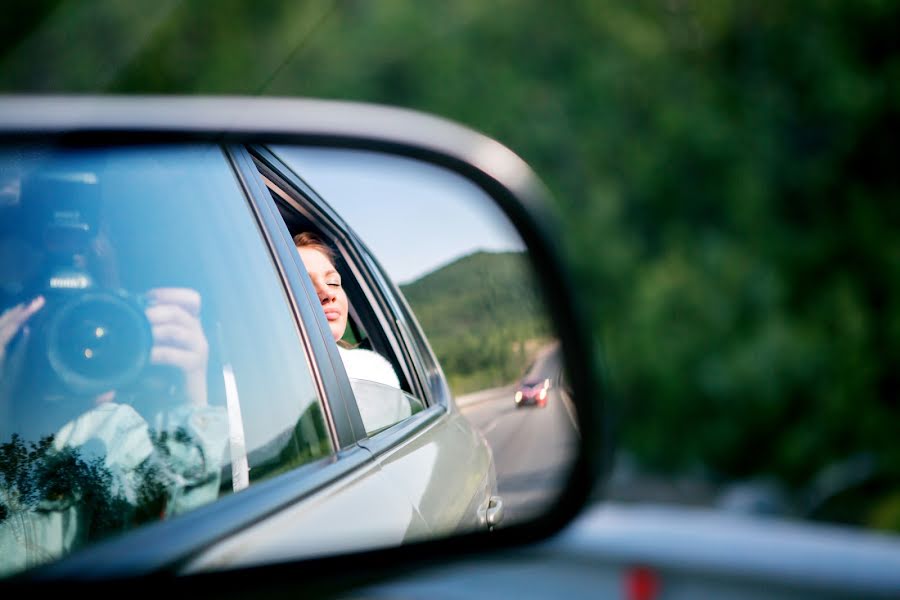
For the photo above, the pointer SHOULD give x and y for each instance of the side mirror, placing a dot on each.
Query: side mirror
(260, 434)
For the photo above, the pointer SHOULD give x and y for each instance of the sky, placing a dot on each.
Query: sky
(412, 215)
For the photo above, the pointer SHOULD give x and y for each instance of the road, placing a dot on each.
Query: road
(533, 447)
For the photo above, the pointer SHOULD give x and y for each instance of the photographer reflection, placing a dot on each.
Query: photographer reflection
(103, 391)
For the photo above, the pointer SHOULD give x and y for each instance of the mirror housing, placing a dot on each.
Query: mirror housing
(76, 121)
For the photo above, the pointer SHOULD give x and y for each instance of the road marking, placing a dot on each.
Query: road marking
(567, 403)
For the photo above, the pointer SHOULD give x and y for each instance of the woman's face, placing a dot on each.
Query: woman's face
(327, 282)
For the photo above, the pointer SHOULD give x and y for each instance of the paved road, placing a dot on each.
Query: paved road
(533, 447)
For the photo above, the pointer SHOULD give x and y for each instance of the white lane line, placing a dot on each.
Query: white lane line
(567, 403)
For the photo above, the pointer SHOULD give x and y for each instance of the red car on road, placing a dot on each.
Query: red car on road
(533, 391)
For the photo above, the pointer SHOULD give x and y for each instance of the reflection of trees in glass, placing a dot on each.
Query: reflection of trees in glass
(37, 479)
(306, 442)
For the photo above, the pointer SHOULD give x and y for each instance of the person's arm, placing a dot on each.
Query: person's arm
(194, 440)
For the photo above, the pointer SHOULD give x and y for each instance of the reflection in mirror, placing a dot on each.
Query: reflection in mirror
(466, 275)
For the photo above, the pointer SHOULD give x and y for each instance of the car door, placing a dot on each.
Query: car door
(449, 473)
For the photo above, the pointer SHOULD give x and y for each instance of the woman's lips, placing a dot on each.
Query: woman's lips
(332, 315)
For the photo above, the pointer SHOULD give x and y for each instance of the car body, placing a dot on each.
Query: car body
(532, 391)
(130, 205)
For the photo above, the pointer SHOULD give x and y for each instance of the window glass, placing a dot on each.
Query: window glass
(149, 360)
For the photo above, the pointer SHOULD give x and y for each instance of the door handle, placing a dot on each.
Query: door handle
(494, 512)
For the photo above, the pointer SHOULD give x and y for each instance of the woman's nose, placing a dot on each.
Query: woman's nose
(325, 293)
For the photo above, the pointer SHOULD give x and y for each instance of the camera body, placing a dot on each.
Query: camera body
(91, 336)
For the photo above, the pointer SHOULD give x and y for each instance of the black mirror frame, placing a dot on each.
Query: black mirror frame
(93, 120)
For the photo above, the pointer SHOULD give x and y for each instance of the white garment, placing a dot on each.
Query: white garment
(370, 366)
(377, 390)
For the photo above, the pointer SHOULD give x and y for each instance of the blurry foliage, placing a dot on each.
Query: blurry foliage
(724, 174)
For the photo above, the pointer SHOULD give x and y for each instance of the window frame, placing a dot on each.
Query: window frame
(338, 405)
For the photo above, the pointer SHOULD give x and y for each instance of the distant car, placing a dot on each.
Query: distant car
(533, 391)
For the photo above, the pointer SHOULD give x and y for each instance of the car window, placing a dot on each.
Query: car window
(383, 400)
(135, 291)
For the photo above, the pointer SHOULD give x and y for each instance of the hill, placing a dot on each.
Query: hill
(482, 316)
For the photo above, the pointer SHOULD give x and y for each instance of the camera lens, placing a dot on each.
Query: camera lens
(98, 341)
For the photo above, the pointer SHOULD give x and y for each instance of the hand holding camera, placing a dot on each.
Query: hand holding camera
(178, 338)
(12, 320)
(95, 337)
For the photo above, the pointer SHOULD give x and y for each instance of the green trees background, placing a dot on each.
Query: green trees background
(724, 177)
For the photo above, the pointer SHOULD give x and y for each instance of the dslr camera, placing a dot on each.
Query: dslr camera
(91, 335)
